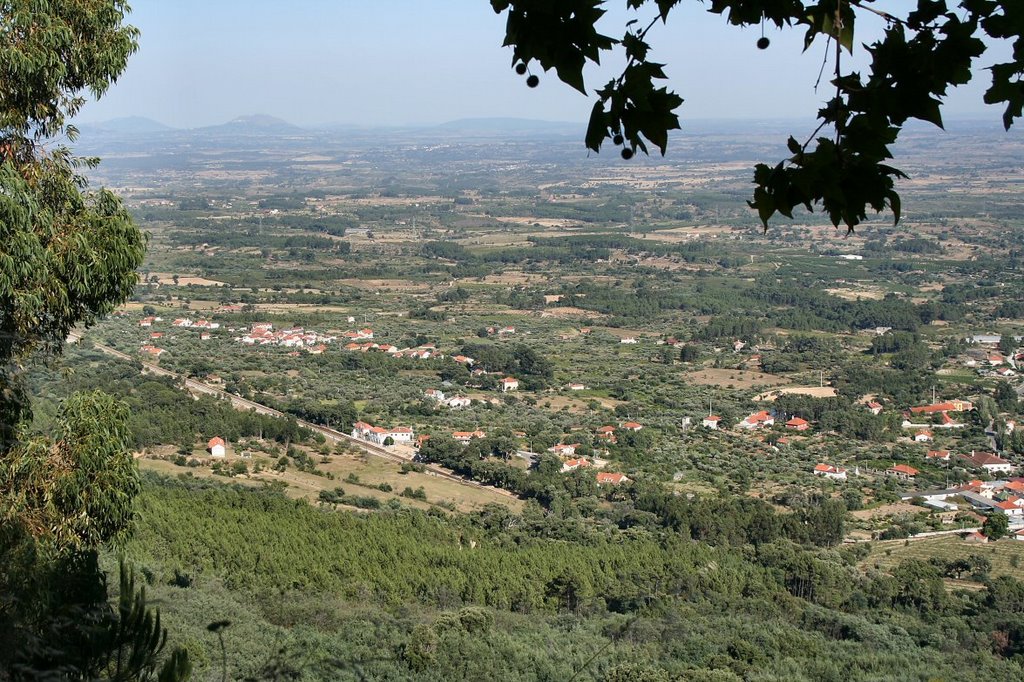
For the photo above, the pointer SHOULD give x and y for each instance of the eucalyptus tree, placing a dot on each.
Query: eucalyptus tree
(68, 255)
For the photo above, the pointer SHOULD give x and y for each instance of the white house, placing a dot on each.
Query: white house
(829, 471)
(993, 464)
(509, 384)
(378, 435)
(757, 420)
(458, 401)
(711, 421)
(216, 446)
(1012, 507)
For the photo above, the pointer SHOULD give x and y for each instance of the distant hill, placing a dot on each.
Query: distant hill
(255, 124)
(128, 125)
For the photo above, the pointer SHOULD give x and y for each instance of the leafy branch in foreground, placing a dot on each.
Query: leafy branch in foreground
(923, 52)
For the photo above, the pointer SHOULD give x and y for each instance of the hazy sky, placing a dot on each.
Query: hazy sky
(396, 62)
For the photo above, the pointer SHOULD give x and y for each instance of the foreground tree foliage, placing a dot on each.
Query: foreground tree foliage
(68, 256)
(844, 171)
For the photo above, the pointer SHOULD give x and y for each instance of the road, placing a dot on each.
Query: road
(240, 403)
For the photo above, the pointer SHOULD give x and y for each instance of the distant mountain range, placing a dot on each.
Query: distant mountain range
(263, 125)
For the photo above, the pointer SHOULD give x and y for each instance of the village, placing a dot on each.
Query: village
(920, 425)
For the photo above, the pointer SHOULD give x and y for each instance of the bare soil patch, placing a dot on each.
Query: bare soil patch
(885, 510)
(564, 311)
(813, 391)
(168, 278)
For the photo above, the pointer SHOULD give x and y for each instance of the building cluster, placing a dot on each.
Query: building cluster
(1004, 496)
(424, 352)
(264, 334)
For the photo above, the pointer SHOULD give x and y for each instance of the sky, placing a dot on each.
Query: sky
(421, 62)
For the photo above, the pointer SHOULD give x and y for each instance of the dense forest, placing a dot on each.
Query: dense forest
(407, 595)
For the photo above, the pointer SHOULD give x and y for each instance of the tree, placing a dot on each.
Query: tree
(1006, 397)
(69, 256)
(995, 526)
(924, 51)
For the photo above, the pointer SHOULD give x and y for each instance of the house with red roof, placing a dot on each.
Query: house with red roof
(798, 424)
(956, 405)
(903, 472)
(829, 471)
(509, 384)
(940, 455)
(216, 446)
(1013, 507)
(711, 422)
(152, 350)
(757, 420)
(376, 434)
(573, 464)
(874, 407)
(466, 436)
(924, 436)
(991, 463)
(976, 537)
(609, 478)
(632, 426)
(564, 449)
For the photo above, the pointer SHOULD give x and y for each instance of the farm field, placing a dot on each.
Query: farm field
(1006, 555)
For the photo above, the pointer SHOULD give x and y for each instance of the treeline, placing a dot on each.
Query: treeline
(334, 225)
(581, 248)
(840, 415)
(912, 245)
(803, 305)
(689, 252)
(515, 359)
(730, 327)
(254, 237)
(717, 521)
(160, 411)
